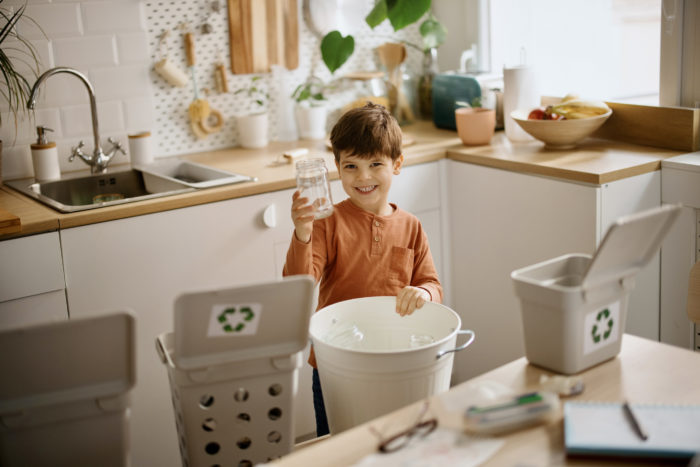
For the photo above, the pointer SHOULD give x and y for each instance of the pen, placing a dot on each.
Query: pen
(634, 421)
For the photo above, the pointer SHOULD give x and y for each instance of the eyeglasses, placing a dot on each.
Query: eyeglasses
(417, 430)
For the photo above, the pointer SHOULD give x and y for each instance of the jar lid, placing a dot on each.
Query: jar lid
(143, 134)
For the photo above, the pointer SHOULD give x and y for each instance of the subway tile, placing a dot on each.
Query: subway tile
(17, 162)
(121, 82)
(55, 20)
(112, 16)
(77, 122)
(110, 117)
(139, 114)
(90, 51)
(133, 48)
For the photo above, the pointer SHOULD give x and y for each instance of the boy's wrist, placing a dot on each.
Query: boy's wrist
(302, 238)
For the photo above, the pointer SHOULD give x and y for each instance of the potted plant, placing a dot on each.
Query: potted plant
(253, 127)
(337, 49)
(14, 50)
(310, 110)
(475, 124)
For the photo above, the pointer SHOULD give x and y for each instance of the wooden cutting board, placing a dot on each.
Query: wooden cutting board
(263, 33)
(9, 223)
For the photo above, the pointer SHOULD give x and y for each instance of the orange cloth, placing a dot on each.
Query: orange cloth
(355, 254)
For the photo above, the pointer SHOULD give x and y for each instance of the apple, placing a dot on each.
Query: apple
(537, 114)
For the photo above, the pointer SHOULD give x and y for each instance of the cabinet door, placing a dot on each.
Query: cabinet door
(502, 221)
(31, 280)
(142, 264)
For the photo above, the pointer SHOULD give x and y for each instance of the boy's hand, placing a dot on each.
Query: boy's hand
(410, 298)
(303, 217)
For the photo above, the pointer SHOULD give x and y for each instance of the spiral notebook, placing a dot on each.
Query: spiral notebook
(603, 428)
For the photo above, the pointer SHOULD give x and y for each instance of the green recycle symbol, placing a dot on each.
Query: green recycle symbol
(223, 318)
(602, 315)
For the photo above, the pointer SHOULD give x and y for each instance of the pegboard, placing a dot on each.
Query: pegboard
(172, 131)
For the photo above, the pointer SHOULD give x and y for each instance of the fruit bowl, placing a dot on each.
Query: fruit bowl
(559, 134)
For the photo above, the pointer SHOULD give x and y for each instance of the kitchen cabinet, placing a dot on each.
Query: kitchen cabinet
(680, 250)
(143, 263)
(32, 286)
(502, 220)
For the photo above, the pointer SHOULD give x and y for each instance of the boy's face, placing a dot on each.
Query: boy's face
(367, 180)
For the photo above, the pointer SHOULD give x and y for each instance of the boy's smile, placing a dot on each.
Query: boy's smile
(367, 180)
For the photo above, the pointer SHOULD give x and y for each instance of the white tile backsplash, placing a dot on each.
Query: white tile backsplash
(121, 83)
(112, 16)
(56, 20)
(133, 48)
(138, 113)
(77, 121)
(16, 162)
(111, 117)
(85, 51)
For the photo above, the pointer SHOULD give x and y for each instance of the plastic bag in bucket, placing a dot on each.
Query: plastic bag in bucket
(372, 361)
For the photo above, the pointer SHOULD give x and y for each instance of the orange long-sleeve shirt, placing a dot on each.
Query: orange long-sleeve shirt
(355, 254)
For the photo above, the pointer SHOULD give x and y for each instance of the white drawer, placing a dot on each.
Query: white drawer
(30, 266)
(42, 308)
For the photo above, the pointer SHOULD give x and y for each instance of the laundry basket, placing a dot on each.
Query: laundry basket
(64, 392)
(233, 363)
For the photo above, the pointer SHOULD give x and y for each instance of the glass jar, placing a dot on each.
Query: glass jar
(313, 183)
(367, 86)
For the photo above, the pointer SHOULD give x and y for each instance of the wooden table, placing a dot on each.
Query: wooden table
(645, 371)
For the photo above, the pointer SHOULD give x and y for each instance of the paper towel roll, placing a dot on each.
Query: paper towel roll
(519, 92)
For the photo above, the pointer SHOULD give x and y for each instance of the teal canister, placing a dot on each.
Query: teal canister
(452, 90)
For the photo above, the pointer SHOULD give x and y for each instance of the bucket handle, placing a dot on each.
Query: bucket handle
(461, 347)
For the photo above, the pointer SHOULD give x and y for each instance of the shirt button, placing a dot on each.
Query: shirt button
(376, 239)
(376, 223)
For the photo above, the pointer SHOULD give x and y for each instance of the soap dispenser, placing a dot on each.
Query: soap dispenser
(45, 157)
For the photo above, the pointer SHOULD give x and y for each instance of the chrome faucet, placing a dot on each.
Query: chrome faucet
(99, 161)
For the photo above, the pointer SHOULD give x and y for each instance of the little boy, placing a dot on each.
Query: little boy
(368, 247)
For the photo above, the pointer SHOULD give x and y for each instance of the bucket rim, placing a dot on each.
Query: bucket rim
(437, 343)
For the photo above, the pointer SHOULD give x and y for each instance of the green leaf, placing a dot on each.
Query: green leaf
(433, 33)
(336, 49)
(377, 15)
(401, 13)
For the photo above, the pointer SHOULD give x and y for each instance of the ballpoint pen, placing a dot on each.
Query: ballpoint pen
(634, 421)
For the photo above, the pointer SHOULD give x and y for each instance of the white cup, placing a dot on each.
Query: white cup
(141, 148)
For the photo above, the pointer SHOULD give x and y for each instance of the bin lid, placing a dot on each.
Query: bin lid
(79, 359)
(629, 244)
(260, 320)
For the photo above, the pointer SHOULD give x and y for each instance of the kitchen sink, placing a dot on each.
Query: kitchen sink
(81, 192)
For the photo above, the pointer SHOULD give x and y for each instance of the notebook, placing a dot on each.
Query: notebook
(603, 428)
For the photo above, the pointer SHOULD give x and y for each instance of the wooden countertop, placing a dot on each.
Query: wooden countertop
(645, 371)
(595, 161)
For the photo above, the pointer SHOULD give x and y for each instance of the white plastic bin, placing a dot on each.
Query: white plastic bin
(574, 307)
(64, 393)
(372, 361)
(232, 364)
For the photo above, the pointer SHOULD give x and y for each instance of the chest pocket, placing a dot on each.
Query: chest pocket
(401, 265)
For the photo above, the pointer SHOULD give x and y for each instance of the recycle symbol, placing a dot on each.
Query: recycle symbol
(595, 332)
(223, 318)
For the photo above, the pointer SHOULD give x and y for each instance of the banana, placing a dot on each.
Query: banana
(579, 108)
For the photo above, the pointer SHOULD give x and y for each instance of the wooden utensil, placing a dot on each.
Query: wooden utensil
(263, 33)
(203, 119)
(392, 56)
(693, 305)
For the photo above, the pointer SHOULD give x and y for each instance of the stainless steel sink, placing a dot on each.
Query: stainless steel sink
(79, 193)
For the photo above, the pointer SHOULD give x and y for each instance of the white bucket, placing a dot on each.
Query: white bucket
(372, 361)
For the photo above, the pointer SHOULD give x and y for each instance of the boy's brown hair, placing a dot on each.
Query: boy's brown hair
(367, 131)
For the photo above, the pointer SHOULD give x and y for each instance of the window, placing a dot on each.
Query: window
(603, 49)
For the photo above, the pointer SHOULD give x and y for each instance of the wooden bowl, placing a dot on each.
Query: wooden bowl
(559, 134)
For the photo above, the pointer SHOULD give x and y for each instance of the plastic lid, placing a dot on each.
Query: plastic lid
(629, 245)
(229, 325)
(67, 361)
